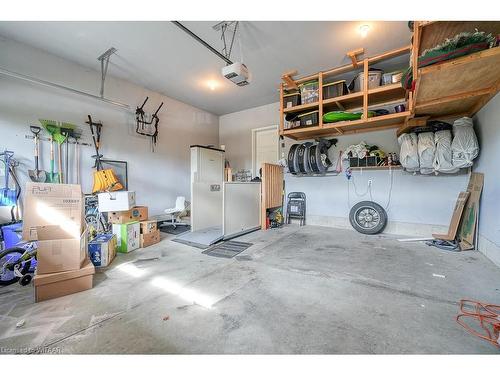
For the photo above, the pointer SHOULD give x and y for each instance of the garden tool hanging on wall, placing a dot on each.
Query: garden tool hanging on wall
(147, 125)
(51, 128)
(104, 179)
(36, 174)
(8, 196)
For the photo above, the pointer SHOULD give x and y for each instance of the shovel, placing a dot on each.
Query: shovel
(37, 175)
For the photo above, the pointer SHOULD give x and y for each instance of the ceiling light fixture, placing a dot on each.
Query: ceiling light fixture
(363, 30)
(212, 84)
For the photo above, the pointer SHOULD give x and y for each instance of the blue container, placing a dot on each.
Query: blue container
(12, 234)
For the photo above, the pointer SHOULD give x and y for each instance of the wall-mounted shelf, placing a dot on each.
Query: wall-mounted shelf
(461, 86)
(377, 168)
(359, 101)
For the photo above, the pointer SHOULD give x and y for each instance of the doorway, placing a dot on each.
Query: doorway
(265, 147)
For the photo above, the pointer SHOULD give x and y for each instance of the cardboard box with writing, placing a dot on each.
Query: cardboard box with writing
(127, 236)
(52, 204)
(59, 250)
(116, 201)
(148, 226)
(148, 239)
(102, 249)
(138, 213)
(60, 284)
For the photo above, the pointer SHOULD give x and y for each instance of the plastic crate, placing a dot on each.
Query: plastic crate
(309, 92)
(291, 100)
(309, 118)
(334, 89)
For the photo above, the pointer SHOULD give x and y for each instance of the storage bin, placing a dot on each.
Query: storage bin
(309, 118)
(392, 77)
(374, 78)
(309, 92)
(387, 78)
(291, 100)
(334, 89)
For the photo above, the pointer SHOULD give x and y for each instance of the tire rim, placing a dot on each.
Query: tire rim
(367, 217)
(7, 274)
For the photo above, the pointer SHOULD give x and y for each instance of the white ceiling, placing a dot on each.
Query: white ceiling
(161, 57)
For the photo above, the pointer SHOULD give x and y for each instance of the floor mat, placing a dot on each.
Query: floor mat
(175, 231)
(227, 249)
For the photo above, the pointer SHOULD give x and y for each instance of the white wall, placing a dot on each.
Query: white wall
(487, 123)
(156, 177)
(424, 200)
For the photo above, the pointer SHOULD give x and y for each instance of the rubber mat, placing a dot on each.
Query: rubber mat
(175, 231)
(227, 249)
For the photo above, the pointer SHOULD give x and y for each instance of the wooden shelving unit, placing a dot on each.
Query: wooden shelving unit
(360, 101)
(458, 87)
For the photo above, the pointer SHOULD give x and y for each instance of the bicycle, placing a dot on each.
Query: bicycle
(96, 221)
(18, 264)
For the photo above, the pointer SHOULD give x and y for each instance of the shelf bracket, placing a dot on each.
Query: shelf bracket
(289, 82)
(353, 55)
(104, 59)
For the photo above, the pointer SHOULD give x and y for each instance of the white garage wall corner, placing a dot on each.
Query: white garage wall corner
(156, 177)
(419, 205)
(487, 126)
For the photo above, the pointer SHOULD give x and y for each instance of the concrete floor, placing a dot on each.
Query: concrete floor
(297, 290)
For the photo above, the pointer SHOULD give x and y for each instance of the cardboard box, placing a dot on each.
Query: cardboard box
(116, 201)
(148, 239)
(138, 213)
(60, 284)
(127, 236)
(102, 249)
(52, 204)
(59, 251)
(148, 226)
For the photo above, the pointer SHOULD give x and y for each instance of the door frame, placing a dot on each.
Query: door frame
(255, 171)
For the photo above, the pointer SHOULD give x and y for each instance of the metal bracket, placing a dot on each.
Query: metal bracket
(104, 59)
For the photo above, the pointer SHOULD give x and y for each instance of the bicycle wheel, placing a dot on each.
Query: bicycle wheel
(8, 258)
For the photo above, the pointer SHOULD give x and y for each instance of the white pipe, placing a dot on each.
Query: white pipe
(57, 86)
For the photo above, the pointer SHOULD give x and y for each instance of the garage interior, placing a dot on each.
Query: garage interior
(201, 187)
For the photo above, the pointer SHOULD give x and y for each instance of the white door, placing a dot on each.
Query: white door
(265, 147)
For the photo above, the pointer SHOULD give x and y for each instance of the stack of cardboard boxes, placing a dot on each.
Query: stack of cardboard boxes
(130, 222)
(54, 217)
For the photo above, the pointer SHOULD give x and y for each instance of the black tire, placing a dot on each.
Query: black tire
(24, 270)
(368, 217)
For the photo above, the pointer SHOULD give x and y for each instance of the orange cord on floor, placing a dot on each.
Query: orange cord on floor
(487, 315)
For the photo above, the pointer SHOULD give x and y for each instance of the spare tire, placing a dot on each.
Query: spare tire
(368, 217)
(292, 159)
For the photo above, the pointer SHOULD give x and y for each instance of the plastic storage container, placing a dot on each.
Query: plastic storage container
(309, 92)
(291, 100)
(309, 118)
(334, 89)
(374, 78)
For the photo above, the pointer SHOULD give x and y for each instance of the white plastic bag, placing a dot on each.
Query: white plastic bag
(408, 156)
(426, 151)
(464, 147)
(443, 157)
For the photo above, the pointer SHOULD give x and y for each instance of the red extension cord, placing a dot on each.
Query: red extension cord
(487, 315)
